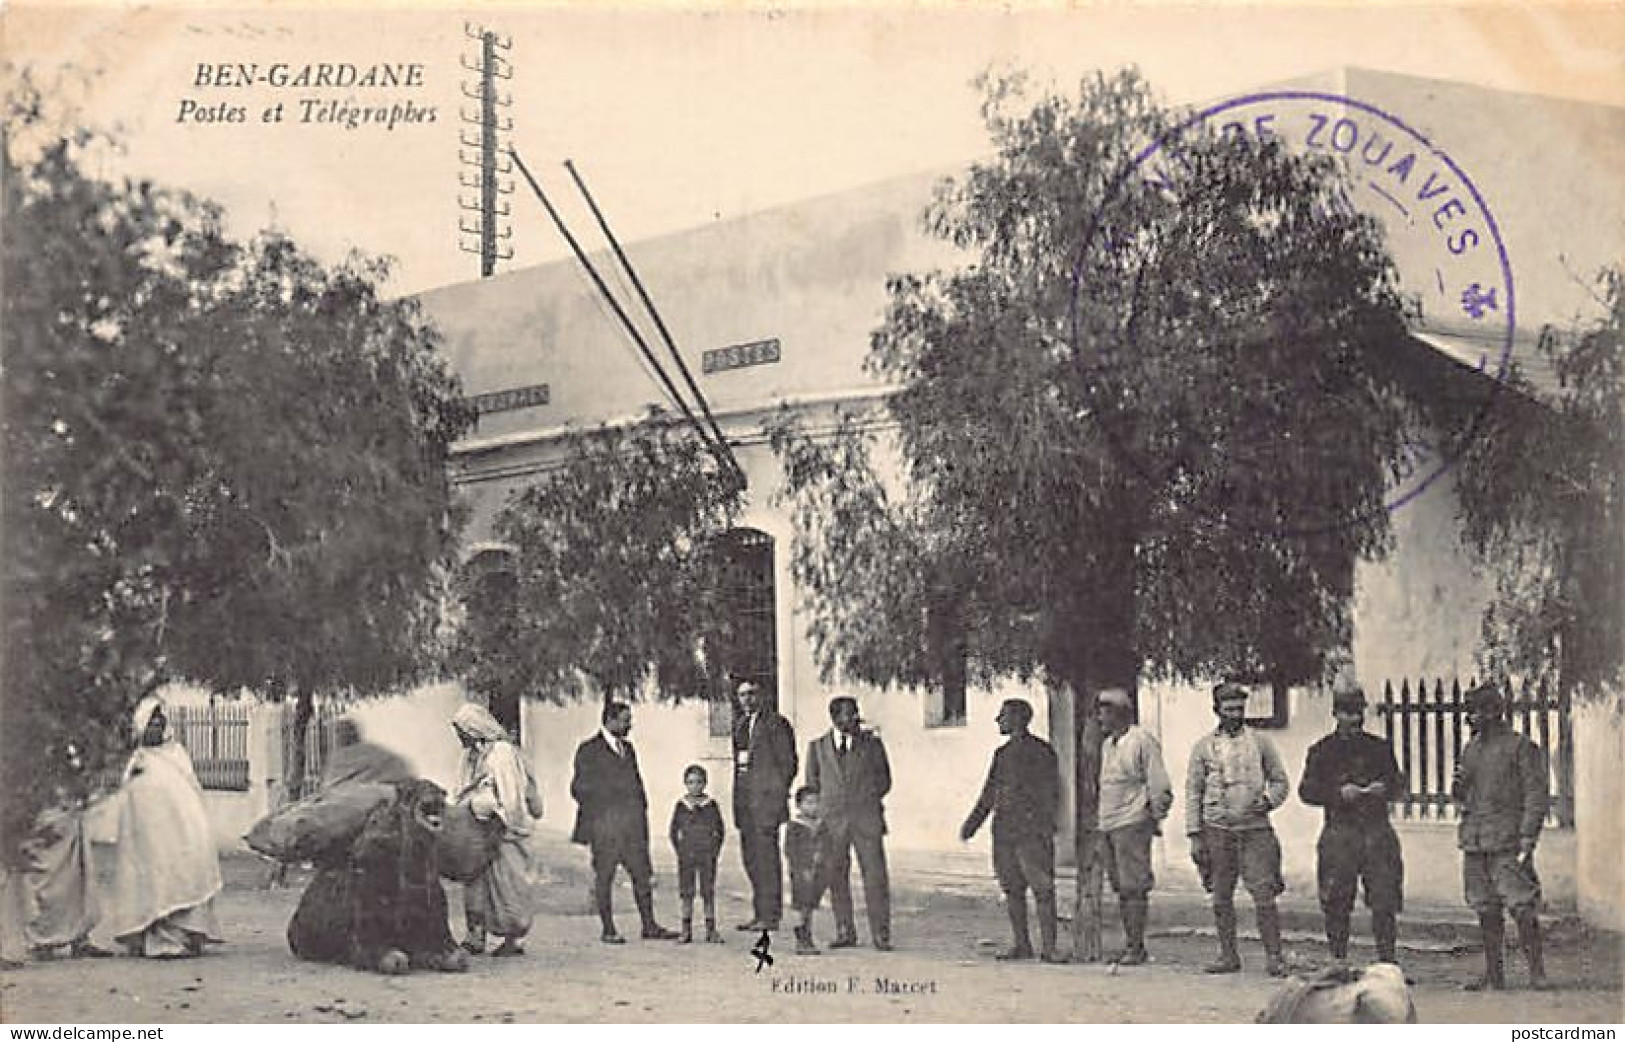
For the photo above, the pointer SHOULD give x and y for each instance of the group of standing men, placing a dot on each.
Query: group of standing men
(847, 768)
(1234, 782)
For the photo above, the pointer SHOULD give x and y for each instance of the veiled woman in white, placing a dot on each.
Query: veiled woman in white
(48, 893)
(498, 787)
(166, 870)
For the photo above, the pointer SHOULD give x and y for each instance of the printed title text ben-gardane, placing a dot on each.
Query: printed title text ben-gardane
(350, 111)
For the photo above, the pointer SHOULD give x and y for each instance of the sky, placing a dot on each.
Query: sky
(680, 117)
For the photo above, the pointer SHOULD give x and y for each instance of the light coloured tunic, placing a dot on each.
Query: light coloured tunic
(494, 781)
(1134, 785)
(1227, 774)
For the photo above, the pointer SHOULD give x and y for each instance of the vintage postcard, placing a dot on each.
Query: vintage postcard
(779, 514)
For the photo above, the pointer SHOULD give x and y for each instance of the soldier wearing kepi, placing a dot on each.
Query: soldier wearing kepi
(1501, 790)
(1235, 782)
(1352, 775)
(1135, 796)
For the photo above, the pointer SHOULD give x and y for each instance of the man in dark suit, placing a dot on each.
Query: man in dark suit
(613, 820)
(848, 767)
(764, 766)
(1023, 793)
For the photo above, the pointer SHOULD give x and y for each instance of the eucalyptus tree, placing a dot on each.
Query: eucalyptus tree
(1144, 431)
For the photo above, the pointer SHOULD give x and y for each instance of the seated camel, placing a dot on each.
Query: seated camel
(384, 908)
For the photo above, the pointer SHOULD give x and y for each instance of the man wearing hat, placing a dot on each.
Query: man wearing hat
(764, 766)
(1352, 775)
(1135, 796)
(1235, 782)
(1501, 790)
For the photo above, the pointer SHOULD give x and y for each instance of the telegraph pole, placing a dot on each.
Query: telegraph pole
(488, 233)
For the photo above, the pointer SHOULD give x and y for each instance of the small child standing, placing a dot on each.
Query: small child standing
(696, 835)
(804, 850)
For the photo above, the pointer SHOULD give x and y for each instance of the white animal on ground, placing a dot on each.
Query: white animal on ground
(1376, 994)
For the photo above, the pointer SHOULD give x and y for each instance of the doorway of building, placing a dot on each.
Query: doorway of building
(747, 645)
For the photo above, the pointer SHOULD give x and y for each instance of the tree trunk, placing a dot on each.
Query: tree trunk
(1086, 919)
(303, 707)
(1107, 657)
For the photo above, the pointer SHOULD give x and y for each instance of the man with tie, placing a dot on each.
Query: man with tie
(764, 766)
(613, 820)
(848, 767)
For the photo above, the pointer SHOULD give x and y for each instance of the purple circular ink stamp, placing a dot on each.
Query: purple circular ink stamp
(1445, 242)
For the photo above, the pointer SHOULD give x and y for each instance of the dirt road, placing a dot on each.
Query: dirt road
(943, 970)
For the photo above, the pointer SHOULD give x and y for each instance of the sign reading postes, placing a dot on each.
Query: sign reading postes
(512, 398)
(737, 356)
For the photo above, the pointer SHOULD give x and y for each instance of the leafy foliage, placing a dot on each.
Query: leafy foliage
(224, 460)
(1541, 502)
(1145, 427)
(613, 575)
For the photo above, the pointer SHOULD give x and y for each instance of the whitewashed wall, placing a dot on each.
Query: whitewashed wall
(1599, 811)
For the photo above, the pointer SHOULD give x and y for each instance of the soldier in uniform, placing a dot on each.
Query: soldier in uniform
(1501, 790)
(1135, 795)
(1023, 793)
(1352, 775)
(1235, 782)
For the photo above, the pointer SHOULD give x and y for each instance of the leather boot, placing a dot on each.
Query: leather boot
(1135, 914)
(1492, 927)
(1337, 934)
(1385, 928)
(1133, 910)
(1048, 925)
(1533, 948)
(1224, 920)
(1015, 905)
(474, 940)
(1269, 931)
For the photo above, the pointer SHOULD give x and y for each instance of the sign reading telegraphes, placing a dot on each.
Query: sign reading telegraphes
(512, 398)
(738, 356)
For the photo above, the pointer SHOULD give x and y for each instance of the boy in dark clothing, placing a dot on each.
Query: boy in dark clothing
(696, 835)
(804, 850)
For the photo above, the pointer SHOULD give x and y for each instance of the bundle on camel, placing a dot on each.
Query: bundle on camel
(384, 908)
(359, 777)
